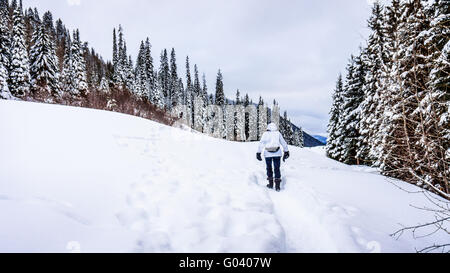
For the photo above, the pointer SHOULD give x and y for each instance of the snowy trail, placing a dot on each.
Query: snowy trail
(108, 182)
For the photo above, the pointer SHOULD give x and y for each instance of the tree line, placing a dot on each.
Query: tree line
(391, 109)
(42, 60)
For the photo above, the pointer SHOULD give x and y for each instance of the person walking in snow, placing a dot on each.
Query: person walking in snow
(272, 141)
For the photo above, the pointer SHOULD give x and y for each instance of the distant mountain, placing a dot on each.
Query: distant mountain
(309, 140)
(321, 139)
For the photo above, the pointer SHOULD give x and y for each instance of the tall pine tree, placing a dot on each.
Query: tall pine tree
(44, 68)
(334, 126)
(19, 79)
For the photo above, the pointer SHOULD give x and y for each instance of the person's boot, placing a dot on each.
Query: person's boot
(270, 185)
(278, 184)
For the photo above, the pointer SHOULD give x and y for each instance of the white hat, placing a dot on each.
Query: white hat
(272, 127)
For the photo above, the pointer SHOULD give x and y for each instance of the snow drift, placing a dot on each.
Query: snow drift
(75, 179)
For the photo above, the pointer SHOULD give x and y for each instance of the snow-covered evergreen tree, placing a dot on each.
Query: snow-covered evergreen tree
(66, 79)
(115, 59)
(220, 101)
(413, 74)
(175, 93)
(290, 133)
(19, 77)
(188, 96)
(205, 90)
(238, 98)
(300, 138)
(78, 67)
(44, 67)
(4, 89)
(5, 41)
(123, 68)
(372, 108)
(334, 126)
(286, 128)
(239, 119)
(201, 112)
(197, 86)
(4, 51)
(220, 95)
(435, 103)
(253, 122)
(142, 83)
(149, 68)
(129, 73)
(262, 118)
(60, 31)
(164, 76)
(104, 85)
(47, 21)
(353, 96)
(157, 92)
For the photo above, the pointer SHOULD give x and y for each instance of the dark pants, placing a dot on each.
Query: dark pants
(276, 162)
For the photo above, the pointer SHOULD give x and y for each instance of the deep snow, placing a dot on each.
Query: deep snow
(78, 179)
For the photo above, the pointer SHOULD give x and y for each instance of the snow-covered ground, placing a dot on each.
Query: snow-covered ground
(78, 179)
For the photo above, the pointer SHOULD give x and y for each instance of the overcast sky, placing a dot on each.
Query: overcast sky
(291, 51)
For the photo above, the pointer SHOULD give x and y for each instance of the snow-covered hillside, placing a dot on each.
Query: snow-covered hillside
(80, 179)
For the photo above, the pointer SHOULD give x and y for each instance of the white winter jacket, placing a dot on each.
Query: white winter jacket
(272, 139)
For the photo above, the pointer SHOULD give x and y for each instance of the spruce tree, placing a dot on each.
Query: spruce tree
(188, 74)
(4, 50)
(189, 96)
(197, 87)
(115, 54)
(164, 76)
(353, 96)
(220, 95)
(239, 119)
(205, 90)
(149, 68)
(246, 103)
(299, 138)
(157, 92)
(414, 74)
(390, 85)
(260, 120)
(334, 126)
(436, 122)
(60, 31)
(284, 127)
(47, 21)
(80, 85)
(4, 89)
(19, 78)
(5, 41)
(201, 113)
(129, 73)
(44, 67)
(122, 68)
(372, 108)
(290, 138)
(66, 79)
(142, 82)
(175, 93)
(104, 85)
